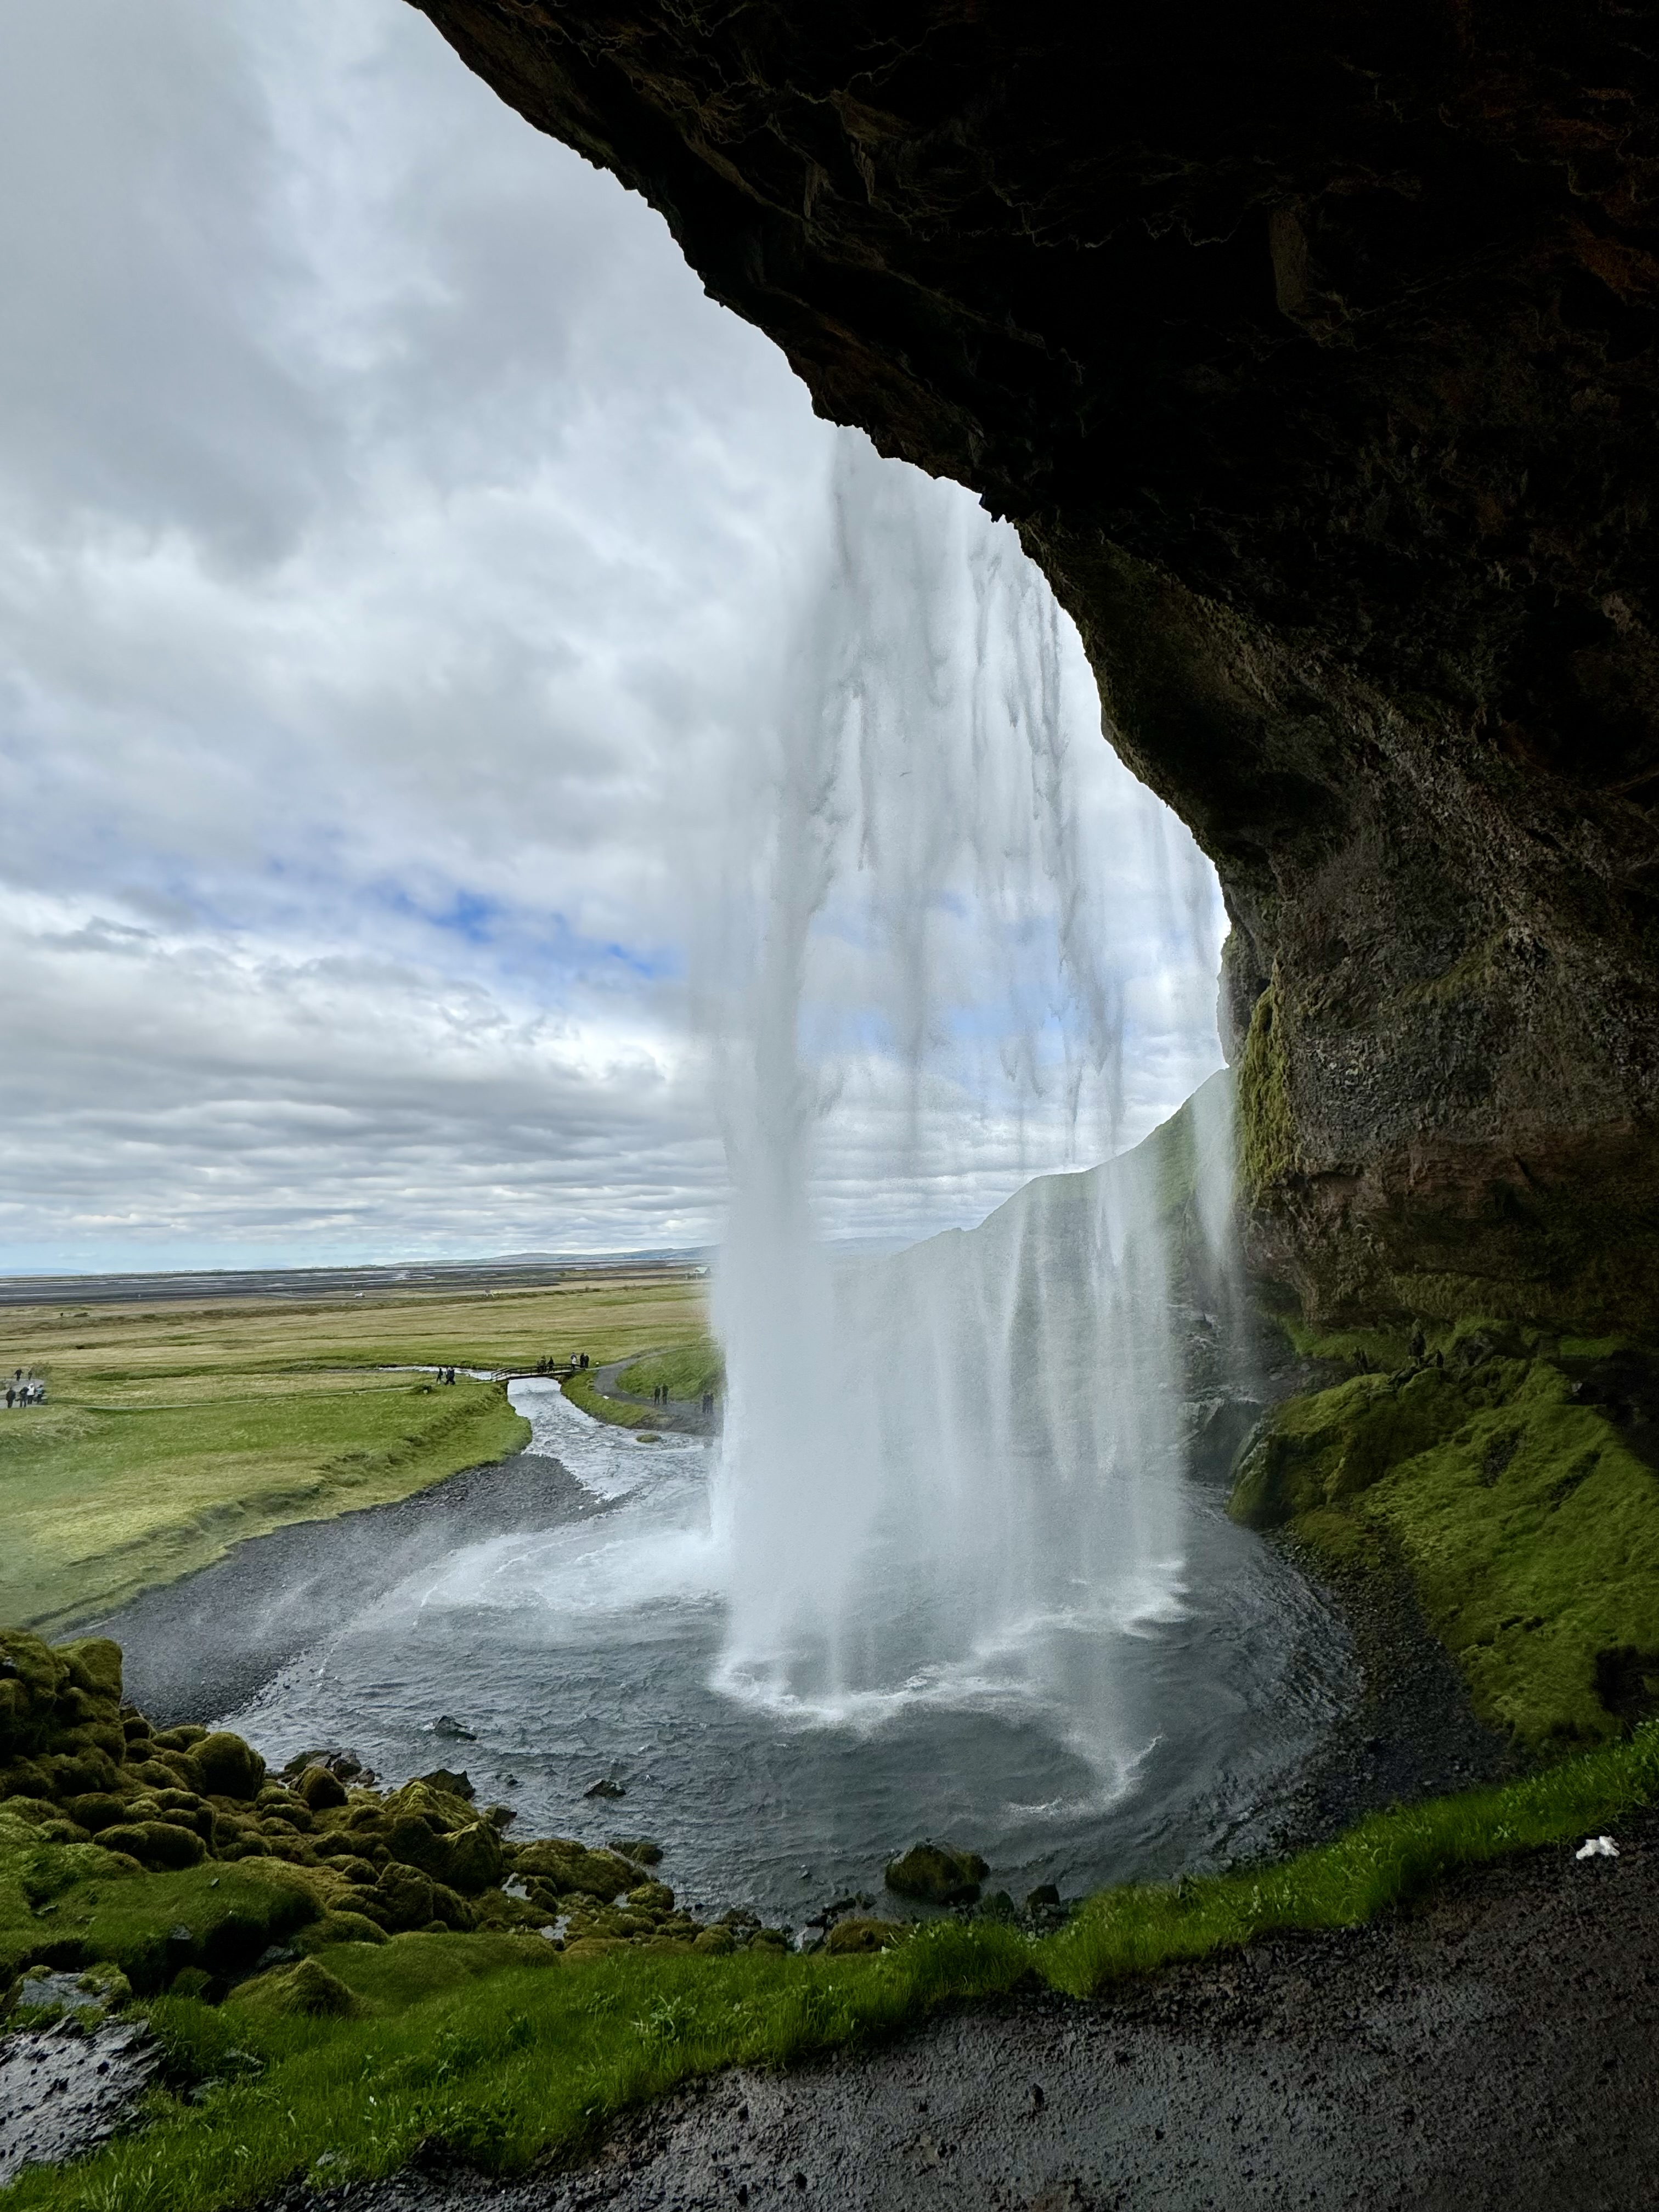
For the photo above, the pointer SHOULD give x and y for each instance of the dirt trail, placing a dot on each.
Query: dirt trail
(1499, 2050)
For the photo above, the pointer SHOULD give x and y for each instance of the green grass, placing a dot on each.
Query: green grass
(173, 1432)
(581, 1390)
(1530, 1530)
(505, 2052)
(74, 1905)
(128, 1482)
(689, 1369)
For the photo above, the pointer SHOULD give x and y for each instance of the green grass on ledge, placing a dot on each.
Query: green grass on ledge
(505, 2052)
(1529, 1527)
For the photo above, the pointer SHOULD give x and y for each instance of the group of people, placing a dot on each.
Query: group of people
(446, 1375)
(660, 1397)
(23, 1389)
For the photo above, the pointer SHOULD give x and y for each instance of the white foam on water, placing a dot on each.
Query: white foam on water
(606, 1459)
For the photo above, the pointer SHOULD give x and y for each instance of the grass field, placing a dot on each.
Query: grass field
(172, 1432)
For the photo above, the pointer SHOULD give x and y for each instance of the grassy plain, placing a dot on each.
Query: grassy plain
(171, 1431)
(502, 2052)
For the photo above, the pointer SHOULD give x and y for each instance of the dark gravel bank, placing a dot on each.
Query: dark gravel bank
(201, 1647)
(1499, 2050)
(1411, 1734)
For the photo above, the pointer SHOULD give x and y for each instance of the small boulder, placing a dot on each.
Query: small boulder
(605, 1787)
(321, 1790)
(401, 1898)
(80, 1772)
(457, 1731)
(31, 1676)
(451, 1784)
(99, 1810)
(471, 1858)
(157, 1845)
(852, 1935)
(95, 1666)
(24, 1777)
(640, 1849)
(228, 1767)
(307, 1989)
(567, 1867)
(339, 1927)
(937, 1874)
(177, 1770)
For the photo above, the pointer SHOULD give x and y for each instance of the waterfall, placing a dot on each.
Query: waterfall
(952, 1473)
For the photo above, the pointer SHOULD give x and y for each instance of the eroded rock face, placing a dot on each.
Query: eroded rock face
(1312, 350)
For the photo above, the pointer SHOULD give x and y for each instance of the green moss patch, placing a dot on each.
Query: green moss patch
(1530, 1528)
(1267, 1119)
(77, 1905)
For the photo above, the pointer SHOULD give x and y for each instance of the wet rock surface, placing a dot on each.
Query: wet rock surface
(1411, 1734)
(66, 2089)
(1501, 2051)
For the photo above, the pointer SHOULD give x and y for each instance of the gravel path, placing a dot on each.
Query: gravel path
(1499, 2050)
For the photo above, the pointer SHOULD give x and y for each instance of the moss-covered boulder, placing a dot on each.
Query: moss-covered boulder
(100, 1809)
(94, 1663)
(228, 1767)
(936, 1873)
(403, 1899)
(652, 1897)
(154, 1843)
(468, 1858)
(342, 1927)
(304, 1989)
(567, 1868)
(321, 1790)
(856, 1935)
(30, 1675)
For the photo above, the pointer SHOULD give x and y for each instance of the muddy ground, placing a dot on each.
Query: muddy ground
(1500, 2050)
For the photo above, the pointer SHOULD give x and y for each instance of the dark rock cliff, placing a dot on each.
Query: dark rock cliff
(1312, 350)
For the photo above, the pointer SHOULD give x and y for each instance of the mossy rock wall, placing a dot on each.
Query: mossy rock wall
(1513, 1492)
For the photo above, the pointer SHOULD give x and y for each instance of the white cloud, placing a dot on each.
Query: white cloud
(393, 539)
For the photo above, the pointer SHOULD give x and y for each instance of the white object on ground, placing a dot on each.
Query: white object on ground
(1597, 1847)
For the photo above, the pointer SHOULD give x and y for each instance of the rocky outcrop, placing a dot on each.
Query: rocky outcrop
(85, 1773)
(1311, 348)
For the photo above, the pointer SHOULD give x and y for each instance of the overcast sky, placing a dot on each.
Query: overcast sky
(394, 548)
